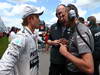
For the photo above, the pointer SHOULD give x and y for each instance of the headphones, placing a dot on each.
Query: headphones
(73, 12)
(72, 15)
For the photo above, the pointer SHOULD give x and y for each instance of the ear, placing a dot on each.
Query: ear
(29, 18)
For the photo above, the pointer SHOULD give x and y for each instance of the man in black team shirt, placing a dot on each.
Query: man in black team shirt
(57, 61)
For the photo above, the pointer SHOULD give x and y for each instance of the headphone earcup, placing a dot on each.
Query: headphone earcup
(72, 14)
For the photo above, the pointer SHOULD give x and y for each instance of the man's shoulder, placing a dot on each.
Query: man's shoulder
(84, 30)
(82, 27)
(19, 39)
(20, 36)
(54, 25)
(21, 33)
(98, 28)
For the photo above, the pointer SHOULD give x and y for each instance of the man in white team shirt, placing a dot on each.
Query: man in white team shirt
(21, 56)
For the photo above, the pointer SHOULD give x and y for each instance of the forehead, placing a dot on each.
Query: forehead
(35, 15)
(60, 9)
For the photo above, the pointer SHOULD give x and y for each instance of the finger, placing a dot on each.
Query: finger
(65, 45)
(60, 44)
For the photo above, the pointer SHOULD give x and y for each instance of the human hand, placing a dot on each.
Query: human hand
(63, 41)
(63, 49)
(56, 42)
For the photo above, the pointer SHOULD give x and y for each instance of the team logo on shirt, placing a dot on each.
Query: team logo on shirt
(34, 59)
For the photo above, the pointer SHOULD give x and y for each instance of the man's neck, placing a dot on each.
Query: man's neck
(32, 29)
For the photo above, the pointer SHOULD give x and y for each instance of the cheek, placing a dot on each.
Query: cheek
(66, 17)
(61, 18)
(37, 21)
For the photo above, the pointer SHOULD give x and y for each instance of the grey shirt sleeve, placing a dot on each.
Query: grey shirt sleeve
(81, 45)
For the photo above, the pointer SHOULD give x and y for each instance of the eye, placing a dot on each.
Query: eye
(63, 15)
(37, 16)
(58, 14)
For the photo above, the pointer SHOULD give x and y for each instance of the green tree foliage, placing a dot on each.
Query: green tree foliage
(3, 45)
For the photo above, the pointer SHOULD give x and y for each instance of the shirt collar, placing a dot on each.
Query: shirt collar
(28, 30)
